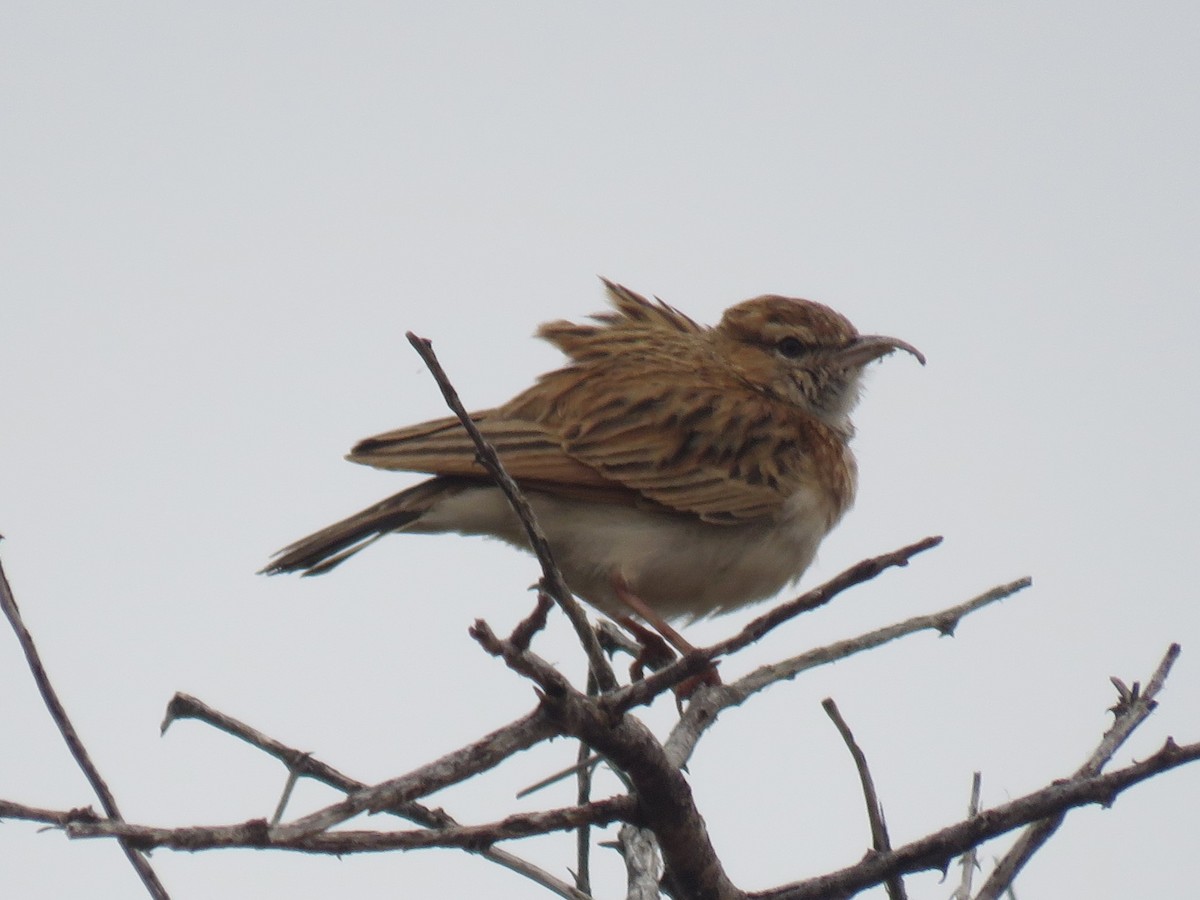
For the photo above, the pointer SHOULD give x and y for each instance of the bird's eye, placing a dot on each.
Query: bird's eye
(791, 347)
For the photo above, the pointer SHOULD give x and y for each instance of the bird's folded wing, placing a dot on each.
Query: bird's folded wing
(728, 457)
(443, 447)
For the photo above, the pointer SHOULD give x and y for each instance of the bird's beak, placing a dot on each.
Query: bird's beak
(869, 347)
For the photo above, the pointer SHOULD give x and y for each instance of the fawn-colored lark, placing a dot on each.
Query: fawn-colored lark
(674, 468)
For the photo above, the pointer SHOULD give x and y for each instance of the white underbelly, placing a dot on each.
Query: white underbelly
(680, 566)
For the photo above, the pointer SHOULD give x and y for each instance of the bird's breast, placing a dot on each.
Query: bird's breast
(680, 565)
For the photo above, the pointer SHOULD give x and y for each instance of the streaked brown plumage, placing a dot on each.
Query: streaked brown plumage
(702, 466)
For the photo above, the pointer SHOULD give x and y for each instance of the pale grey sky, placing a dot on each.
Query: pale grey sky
(218, 221)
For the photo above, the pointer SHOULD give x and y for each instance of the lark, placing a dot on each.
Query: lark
(677, 470)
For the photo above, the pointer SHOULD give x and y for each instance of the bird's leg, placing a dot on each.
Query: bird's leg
(665, 633)
(653, 652)
(635, 604)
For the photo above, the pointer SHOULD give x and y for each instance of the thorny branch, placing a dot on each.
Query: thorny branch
(1132, 709)
(935, 851)
(485, 753)
(702, 712)
(184, 706)
(258, 833)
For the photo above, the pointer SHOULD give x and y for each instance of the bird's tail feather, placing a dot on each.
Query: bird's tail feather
(331, 546)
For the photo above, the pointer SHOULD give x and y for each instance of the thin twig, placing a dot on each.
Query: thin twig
(944, 623)
(454, 767)
(522, 635)
(522, 661)
(490, 460)
(819, 596)
(58, 713)
(879, 833)
(1133, 707)
(970, 859)
(10, 809)
(285, 796)
(583, 796)
(588, 761)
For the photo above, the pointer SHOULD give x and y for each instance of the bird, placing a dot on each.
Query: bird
(678, 470)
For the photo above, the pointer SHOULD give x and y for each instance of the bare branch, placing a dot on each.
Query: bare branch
(585, 761)
(708, 702)
(935, 851)
(58, 713)
(551, 576)
(1133, 707)
(184, 706)
(452, 768)
(522, 635)
(944, 622)
(285, 796)
(60, 817)
(642, 870)
(880, 841)
(583, 795)
(256, 833)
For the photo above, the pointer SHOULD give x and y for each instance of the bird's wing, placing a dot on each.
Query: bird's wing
(728, 456)
(442, 447)
(727, 459)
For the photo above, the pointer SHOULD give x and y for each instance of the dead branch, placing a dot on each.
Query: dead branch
(75, 745)
(259, 834)
(302, 764)
(1132, 709)
(452, 768)
(937, 850)
(708, 703)
(880, 842)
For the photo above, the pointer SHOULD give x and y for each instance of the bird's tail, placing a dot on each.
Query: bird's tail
(329, 547)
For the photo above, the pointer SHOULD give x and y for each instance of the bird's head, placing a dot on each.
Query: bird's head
(802, 352)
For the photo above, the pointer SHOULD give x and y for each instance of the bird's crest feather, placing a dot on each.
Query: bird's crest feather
(633, 314)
